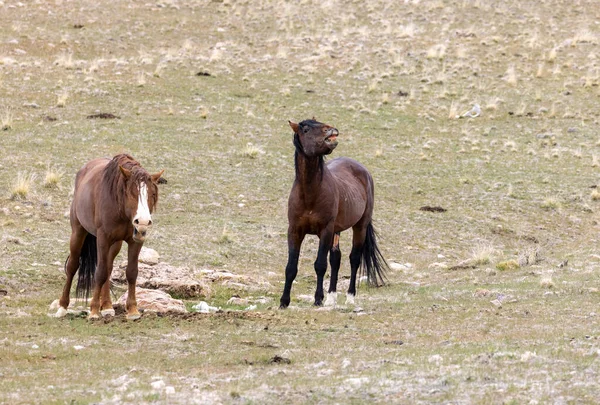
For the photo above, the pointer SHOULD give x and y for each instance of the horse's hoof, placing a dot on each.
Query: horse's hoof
(331, 300)
(93, 317)
(61, 312)
(318, 303)
(350, 299)
(133, 317)
(283, 304)
(107, 312)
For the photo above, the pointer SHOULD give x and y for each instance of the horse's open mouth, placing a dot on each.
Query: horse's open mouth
(331, 138)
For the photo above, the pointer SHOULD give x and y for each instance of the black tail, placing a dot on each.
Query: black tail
(87, 267)
(372, 261)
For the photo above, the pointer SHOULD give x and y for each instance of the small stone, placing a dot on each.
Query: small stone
(201, 307)
(496, 303)
(149, 256)
(157, 385)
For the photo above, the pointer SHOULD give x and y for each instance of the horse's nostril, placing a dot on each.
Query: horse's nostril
(136, 221)
(149, 222)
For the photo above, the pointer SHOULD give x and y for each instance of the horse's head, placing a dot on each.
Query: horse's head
(141, 199)
(314, 138)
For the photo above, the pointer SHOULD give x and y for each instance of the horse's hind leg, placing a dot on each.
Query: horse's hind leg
(358, 241)
(335, 257)
(106, 307)
(78, 236)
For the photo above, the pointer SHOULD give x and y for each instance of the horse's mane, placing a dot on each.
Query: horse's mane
(116, 185)
(300, 148)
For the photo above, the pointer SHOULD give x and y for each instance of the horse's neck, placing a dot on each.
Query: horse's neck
(310, 173)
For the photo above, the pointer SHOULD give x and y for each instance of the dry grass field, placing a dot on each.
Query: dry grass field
(493, 301)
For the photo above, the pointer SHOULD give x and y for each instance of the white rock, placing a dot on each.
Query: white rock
(78, 347)
(203, 307)
(54, 306)
(157, 385)
(474, 112)
(170, 390)
(149, 256)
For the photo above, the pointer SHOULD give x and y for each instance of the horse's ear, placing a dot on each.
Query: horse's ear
(156, 176)
(126, 172)
(294, 126)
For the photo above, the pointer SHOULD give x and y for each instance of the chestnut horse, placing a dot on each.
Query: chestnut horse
(326, 199)
(113, 202)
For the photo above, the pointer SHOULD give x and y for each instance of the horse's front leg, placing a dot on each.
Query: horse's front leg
(106, 307)
(101, 274)
(325, 244)
(295, 238)
(133, 252)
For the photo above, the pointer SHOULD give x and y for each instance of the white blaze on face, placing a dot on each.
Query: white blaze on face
(143, 216)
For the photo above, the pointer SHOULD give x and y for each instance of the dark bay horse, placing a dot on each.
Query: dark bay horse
(326, 199)
(113, 202)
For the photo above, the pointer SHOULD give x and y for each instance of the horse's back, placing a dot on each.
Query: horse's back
(350, 170)
(84, 197)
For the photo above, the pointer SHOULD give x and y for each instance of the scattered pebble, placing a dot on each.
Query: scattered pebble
(157, 385)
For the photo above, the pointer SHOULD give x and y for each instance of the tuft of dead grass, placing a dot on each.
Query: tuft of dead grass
(53, 177)
(6, 120)
(22, 185)
(483, 253)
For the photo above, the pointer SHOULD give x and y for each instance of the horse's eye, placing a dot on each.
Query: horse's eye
(305, 130)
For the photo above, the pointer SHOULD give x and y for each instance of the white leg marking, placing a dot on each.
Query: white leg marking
(133, 317)
(331, 300)
(93, 316)
(61, 312)
(108, 312)
(350, 299)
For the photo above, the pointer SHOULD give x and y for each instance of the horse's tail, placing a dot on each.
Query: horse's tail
(88, 261)
(373, 263)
